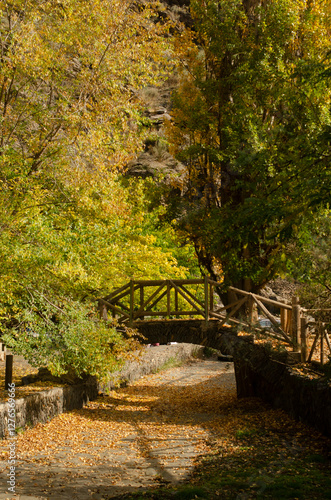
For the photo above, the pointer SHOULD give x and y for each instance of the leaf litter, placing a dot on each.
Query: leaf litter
(181, 425)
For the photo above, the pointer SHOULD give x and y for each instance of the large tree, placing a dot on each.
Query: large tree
(70, 75)
(252, 124)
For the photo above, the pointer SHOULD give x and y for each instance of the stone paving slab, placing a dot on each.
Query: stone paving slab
(152, 446)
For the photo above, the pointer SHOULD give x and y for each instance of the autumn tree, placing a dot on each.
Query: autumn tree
(70, 121)
(251, 123)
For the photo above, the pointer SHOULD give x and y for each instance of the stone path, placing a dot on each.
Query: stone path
(135, 438)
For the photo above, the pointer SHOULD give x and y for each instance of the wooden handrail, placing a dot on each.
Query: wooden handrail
(294, 323)
(263, 299)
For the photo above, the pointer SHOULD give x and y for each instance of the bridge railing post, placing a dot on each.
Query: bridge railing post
(206, 300)
(304, 331)
(296, 323)
(211, 300)
(176, 303)
(131, 302)
(168, 298)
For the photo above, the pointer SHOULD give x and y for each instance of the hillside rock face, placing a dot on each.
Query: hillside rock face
(156, 161)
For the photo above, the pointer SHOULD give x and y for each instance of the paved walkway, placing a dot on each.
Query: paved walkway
(135, 438)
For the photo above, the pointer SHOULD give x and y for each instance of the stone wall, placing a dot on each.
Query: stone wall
(260, 371)
(190, 331)
(152, 360)
(43, 406)
(267, 374)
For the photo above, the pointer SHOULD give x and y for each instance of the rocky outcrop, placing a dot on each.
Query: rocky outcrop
(156, 161)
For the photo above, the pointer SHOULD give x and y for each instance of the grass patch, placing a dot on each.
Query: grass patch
(172, 362)
(209, 352)
(245, 433)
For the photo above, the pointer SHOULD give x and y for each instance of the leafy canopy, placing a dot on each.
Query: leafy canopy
(252, 125)
(70, 120)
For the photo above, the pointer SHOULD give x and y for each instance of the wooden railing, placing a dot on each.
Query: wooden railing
(139, 300)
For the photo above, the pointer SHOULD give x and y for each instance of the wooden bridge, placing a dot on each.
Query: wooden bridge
(141, 300)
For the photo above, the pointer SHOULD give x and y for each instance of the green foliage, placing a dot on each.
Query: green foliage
(72, 339)
(147, 196)
(172, 362)
(209, 352)
(70, 121)
(252, 124)
(309, 262)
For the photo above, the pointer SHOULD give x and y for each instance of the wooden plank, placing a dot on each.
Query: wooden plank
(313, 347)
(113, 308)
(214, 283)
(119, 290)
(251, 308)
(176, 302)
(114, 300)
(151, 298)
(286, 320)
(327, 338)
(274, 303)
(195, 281)
(150, 307)
(211, 295)
(234, 310)
(322, 345)
(227, 318)
(206, 287)
(283, 319)
(228, 306)
(168, 297)
(186, 313)
(150, 282)
(123, 306)
(183, 295)
(304, 329)
(123, 319)
(152, 313)
(190, 294)
(216, 315)
(237, 290)
(131, 301)
(272, 319)
(269, 333)
(262, 299)
(296, 321)
(141, 302)
(172, 313)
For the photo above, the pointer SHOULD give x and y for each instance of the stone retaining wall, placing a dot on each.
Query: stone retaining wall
(152, 360)
(45, 405)
(266, 374)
